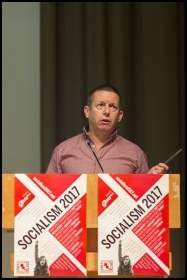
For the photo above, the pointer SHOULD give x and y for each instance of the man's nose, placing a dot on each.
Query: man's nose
(106, 109)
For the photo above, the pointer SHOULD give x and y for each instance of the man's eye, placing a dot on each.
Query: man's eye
(100, 106)
(113, 107)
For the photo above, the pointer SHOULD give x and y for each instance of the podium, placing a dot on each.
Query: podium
(8, 190)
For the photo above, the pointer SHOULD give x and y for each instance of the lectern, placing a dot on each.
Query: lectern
(101, 191)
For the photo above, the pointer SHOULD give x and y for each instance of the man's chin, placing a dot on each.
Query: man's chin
(105, 126)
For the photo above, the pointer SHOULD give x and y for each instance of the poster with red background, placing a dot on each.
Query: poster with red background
(133, 224)
(50, 225)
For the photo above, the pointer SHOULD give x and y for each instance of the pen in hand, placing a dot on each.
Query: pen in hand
(174, 155)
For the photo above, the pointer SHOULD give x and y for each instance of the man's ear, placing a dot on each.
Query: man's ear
(120, 116)
(86, 111)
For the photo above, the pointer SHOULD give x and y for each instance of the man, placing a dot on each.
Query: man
(99, 149)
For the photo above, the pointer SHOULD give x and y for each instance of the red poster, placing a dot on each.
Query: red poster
(133, 224)
(50, 225)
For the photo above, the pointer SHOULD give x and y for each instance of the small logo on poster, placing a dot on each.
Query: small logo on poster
(22, 267)
(106, 266)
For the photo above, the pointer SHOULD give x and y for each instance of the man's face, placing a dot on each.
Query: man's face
(104, 112)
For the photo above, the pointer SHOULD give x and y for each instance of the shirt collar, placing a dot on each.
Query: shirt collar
(111, 138)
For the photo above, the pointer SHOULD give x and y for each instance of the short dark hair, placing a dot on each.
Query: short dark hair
(102, 87)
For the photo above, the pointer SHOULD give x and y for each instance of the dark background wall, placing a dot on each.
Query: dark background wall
(138, 48)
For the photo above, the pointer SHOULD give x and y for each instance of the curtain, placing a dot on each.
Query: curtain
(138, 47)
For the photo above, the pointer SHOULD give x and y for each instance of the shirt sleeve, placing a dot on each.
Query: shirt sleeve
(53, 167)
(142, 164)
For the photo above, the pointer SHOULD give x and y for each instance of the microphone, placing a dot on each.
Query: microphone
(95, 156)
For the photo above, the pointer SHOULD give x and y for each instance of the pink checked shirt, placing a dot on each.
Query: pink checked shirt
(117, 155)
